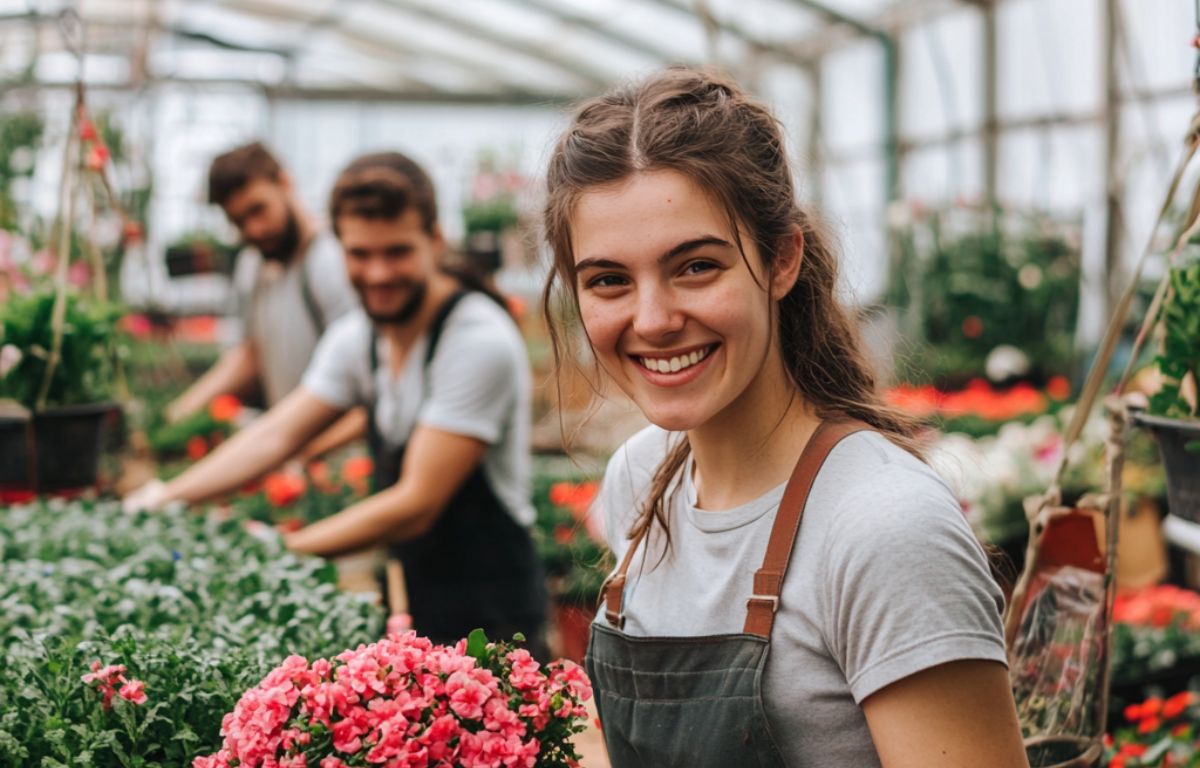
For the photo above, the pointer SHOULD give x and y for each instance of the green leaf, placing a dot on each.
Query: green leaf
(477, 643)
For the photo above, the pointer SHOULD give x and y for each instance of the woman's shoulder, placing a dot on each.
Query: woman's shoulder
(637, 459)
(868, 467)
(628, 476)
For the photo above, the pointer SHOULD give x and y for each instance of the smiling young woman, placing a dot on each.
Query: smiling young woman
(731, 634)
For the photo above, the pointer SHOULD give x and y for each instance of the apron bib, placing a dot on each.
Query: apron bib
(476, 567)
(698, 701)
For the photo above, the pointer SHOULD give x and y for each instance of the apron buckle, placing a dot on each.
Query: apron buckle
(772, 599)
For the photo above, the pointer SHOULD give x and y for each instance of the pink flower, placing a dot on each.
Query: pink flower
(407, 703)
(134, 691)
(467, 695)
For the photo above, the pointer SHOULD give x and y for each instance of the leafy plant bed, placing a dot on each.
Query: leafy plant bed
(196, 610)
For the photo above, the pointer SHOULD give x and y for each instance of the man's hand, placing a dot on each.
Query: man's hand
(151, 497)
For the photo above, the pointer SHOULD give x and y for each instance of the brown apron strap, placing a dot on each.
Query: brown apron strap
(613, 590)
(768, 580)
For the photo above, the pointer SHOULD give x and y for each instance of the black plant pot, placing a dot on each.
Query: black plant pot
(1182, 465)
(56, 449)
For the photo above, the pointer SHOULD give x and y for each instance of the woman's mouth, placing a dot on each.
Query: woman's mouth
(676, 367)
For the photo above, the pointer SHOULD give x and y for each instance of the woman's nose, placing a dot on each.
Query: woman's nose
(658, 314)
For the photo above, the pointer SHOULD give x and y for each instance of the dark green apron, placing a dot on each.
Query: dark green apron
(476, 567)
(697, 702)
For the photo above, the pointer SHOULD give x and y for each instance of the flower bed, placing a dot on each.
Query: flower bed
(194, 609)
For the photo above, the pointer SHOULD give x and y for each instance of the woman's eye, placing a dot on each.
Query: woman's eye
(698, 267)
(606, 281)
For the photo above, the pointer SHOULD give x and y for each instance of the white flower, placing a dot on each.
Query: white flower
(10, 355)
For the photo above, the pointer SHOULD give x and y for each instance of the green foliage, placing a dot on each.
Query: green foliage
(20, 134)
(996, 281)
(86, 369)
(574, 562)
(198, 609)
(1180, 353)
(493, 215)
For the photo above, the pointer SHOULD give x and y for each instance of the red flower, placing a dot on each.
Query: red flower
(289, 524)
(972, 327)
(1149, 725)
(283, 488)
(1151, 706)
(1133, 713)
(563, 534)
(560, 494)
(97, 158)
(133, 232)
(1059, 388)
(357, 468)
(318, 473)
(1175, 706)
(197, 448)
(87, 130)
(1133, 750)
(224, 408)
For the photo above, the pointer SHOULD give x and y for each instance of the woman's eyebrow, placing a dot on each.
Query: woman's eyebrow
(687, 245)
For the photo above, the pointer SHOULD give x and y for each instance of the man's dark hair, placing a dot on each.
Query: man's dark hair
(383, 186)
(232, 171)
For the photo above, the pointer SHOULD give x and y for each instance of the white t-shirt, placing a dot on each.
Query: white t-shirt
(277, 319)
(478, 385)
(886, 579)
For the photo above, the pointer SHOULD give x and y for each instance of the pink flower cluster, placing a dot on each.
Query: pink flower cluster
(407, 703)
(110, 681)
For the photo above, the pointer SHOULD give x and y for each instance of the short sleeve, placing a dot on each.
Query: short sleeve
(626, 484)
(908, 586)
(329, 280)
(245, 274)
(472, 383)
(339, 372)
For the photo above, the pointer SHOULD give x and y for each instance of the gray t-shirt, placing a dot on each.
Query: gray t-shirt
(478, 385)
(275, 315)
(886, 579)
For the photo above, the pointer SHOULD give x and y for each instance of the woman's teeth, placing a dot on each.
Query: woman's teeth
(674, 364)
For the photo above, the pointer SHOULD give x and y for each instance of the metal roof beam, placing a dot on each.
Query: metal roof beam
(832, 14)
(387, 47)
(592, 26)
(593, 78)
(296, 93)
(733, 30)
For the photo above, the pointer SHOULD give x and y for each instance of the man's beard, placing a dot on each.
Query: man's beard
(287, 243)
(407, 311)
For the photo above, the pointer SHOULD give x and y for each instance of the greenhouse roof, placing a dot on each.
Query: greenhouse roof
(505, 51)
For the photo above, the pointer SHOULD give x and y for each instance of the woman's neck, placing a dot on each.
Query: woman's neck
(753, 445)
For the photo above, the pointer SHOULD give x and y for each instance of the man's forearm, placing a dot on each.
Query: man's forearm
(237, 461)
(350, 427)
(234, 372)
(388, 516)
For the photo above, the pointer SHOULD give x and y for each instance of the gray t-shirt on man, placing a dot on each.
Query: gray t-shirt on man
(477, 385)
(276, 317)
(886, 579)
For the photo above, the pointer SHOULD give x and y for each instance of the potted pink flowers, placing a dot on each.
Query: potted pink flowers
(404, 701)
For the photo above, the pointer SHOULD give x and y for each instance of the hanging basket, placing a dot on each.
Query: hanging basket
(1183, 466)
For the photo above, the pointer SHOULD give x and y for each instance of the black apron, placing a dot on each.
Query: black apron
(696, 702)
(476, 567)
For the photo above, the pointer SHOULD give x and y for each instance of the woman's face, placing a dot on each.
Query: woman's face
(669, 304)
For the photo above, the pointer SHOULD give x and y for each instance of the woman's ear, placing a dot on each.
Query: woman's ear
(787, 265)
